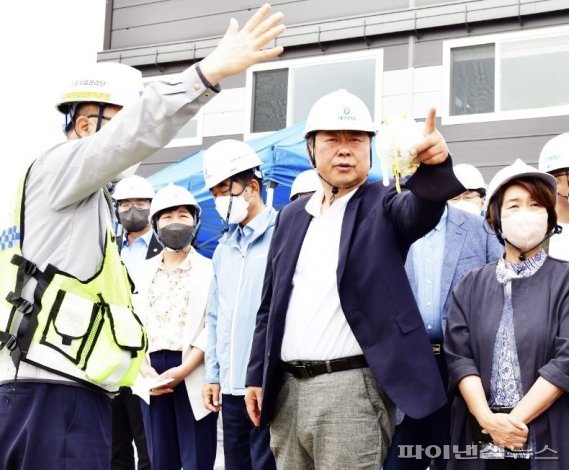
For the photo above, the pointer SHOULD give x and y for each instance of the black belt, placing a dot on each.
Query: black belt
(307, 369)
(437, 348)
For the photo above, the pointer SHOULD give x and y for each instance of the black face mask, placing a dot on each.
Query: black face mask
(176, 236)
(134, 220)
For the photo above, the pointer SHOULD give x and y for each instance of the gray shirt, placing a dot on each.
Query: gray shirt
(66, 214)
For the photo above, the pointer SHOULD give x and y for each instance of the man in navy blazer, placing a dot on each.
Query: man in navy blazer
(460, 242)
(335, 282)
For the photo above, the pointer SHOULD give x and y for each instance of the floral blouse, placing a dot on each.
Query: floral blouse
(168, 300)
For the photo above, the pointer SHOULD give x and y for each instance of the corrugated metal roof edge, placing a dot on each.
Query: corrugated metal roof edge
(413, 19)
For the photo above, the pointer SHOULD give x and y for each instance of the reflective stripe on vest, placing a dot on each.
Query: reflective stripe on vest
(82, 330)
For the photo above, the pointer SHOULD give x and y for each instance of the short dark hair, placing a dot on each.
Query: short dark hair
(244, 177)
(539, 190)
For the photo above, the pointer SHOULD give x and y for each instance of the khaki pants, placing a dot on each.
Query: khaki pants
(341, 420)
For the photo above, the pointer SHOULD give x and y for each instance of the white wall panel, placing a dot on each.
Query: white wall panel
(224, 114)
(396, 104)
(426, 79)
(226, 123)
(422, 102)
(396, 82)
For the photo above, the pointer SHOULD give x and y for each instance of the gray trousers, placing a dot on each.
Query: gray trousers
(341, 420)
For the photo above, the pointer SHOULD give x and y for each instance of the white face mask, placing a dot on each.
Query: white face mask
(466, 206)
(239, 208)
(525, 229)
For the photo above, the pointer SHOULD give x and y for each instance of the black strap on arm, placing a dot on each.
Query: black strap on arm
(26, 270)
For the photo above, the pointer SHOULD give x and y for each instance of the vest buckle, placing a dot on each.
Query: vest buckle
(10, 344)
(21, 304)
(30, 268)
(25, 307)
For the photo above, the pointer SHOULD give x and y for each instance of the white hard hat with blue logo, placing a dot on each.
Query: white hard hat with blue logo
(339, 111)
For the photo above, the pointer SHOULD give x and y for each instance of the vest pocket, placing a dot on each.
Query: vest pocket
(122, 339)
(126, 327)
(106, 341)
(71, 326)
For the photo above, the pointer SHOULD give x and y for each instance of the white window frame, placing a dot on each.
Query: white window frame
(186, 141)
(376, 54)
(498, 40)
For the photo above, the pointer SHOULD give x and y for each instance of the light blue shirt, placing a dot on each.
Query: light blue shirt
(132, 255)
(428, 256)
(245, 235)
(235, 296)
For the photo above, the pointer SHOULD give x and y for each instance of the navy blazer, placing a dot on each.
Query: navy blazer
(154, 247)
(378, 227)
(469, 244)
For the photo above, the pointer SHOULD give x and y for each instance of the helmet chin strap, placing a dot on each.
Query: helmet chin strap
(522, 256)
(336, 189)
(171, 250)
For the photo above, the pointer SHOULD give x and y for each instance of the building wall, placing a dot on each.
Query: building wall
(413, 77)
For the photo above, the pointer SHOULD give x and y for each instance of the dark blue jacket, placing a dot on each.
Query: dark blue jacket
(379, 226)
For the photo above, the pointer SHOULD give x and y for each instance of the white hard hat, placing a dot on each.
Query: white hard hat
(518, 169)
(306, 182)
(555, 154)
(103, 82)
(133, 187)
(339, 111)
(173, 196)
(227, 158)
(469, 176)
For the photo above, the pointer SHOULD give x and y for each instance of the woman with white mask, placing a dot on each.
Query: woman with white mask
(507, 341)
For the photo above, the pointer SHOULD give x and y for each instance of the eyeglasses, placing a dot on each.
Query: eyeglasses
(126, 204)
(468, 196)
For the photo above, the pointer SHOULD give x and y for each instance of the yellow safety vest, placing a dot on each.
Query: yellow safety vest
(85, 331)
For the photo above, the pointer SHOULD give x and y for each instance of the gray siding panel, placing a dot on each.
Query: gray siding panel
(396, 56)
(427, 53)
(143, 23)
(491, 145)
(538, 127)
(135, 25)
(491, 155)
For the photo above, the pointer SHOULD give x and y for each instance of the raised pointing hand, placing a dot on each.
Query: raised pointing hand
(239, 49)
(433, 149)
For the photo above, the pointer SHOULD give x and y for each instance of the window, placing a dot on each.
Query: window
(472, 80)
(282, 93)
(269, 100)
(191, 133)
(509, 76)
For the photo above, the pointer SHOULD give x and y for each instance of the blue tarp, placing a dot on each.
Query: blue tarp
(284, 156)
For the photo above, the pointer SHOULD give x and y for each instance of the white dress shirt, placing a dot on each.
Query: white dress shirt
(316, 327)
